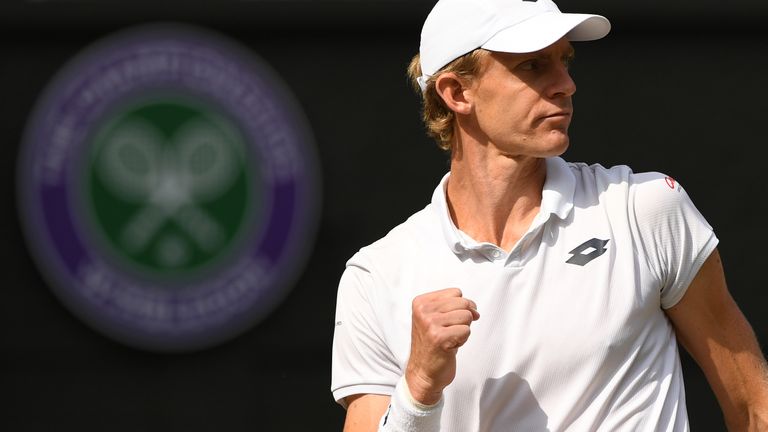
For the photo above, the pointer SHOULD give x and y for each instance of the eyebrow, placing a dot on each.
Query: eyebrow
(570, 54)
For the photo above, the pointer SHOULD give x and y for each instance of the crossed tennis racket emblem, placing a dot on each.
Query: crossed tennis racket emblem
(169, 178)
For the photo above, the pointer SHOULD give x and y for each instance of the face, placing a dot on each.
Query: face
(521, 103)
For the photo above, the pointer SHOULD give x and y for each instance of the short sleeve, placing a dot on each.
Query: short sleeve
(673, 235)
(362, 361)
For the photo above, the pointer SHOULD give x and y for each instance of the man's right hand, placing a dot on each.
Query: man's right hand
(440, 325)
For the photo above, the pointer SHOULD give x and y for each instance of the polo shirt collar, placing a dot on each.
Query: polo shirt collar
(559, 187)
(556, 199)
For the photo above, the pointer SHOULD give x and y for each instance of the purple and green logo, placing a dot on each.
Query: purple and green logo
(169, 188)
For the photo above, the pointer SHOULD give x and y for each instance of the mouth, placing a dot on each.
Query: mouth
(558, 115)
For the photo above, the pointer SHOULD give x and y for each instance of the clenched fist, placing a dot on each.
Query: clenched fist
(440, 325)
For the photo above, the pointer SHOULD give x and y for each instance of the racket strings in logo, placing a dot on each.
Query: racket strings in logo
(169, 179)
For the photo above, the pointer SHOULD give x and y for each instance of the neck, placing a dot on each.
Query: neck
(492, 196)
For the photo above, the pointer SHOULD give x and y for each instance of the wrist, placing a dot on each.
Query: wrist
(407, 415)
(421, 399)
(421, 391)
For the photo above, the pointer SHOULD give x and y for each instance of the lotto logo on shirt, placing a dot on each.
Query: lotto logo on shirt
(169, 188)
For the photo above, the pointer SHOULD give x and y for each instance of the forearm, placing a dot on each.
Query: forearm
(710, 325)
(737, 372)
(740, 382)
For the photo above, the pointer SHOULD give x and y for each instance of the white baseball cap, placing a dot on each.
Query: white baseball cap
(456, 27)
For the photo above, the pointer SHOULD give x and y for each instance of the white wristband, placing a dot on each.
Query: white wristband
(405, 414)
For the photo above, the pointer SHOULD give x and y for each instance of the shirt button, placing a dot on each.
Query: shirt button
(496, 254)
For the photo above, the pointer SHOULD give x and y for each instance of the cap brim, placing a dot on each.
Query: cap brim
(545, 29)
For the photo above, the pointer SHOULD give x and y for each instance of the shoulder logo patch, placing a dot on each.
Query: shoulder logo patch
(587, 251)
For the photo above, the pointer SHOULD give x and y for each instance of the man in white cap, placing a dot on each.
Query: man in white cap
(576, 280)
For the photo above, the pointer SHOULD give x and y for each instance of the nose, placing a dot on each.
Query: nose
(562, 84)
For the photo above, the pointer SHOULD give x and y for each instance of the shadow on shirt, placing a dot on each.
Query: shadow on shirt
(507, 403)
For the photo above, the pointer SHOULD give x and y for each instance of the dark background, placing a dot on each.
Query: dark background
(677, 87)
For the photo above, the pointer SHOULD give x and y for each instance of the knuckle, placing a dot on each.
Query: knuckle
(457, 341)
(433, 334)
(468, 317)
(418, 307)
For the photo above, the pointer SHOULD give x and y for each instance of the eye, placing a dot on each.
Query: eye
(568, 61)
(530, 65)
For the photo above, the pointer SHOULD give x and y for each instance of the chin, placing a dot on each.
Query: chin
(555, 145)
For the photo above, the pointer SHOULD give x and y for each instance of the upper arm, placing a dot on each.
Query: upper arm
(671, 234)
(707, 320)
(712, 328)
(362, 360)
(364, 412)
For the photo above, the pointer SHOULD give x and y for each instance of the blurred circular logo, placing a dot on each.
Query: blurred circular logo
(168, 188)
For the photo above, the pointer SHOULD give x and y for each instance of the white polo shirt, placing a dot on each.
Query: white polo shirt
(572, 333)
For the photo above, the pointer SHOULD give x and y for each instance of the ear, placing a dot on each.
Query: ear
(455, 92)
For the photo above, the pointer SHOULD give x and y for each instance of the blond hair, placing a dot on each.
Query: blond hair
(438, 118)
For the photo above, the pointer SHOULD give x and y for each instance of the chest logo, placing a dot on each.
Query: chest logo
(587, 251)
